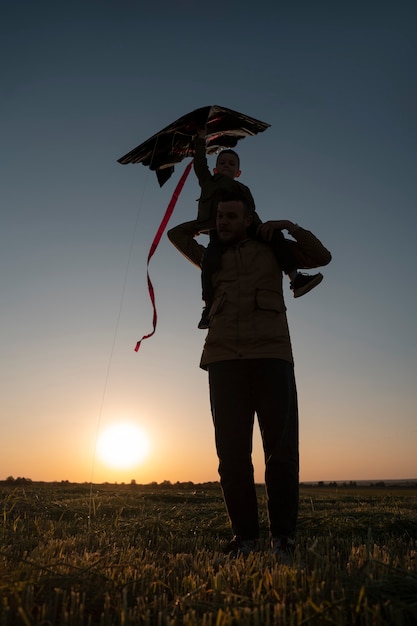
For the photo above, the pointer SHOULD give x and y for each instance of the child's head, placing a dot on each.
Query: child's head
(228, 164)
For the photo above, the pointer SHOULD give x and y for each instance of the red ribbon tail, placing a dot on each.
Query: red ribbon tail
(155, 243)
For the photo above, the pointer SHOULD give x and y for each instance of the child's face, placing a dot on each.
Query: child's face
(228, 165)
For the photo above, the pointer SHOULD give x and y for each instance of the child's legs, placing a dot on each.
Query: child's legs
(211, 261)
(283, 253)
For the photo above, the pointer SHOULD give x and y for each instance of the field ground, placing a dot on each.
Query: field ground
(75, 555)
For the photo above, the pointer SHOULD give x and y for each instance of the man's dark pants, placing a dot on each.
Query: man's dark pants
(238, 390)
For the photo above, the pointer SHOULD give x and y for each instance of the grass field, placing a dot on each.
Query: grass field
(127, 555)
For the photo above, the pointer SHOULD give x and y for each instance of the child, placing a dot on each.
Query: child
(212, 186)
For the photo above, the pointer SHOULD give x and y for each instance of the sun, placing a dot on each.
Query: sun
(123, 445)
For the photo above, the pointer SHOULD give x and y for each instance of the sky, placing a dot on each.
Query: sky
(84, 82)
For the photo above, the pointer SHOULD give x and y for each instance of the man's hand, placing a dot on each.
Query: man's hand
(267, 229)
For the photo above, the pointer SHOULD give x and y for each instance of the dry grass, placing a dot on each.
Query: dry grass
(149, 555)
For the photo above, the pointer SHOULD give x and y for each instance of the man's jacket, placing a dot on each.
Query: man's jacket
(248, 316)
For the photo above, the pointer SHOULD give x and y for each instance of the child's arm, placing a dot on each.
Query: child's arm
(201, 167)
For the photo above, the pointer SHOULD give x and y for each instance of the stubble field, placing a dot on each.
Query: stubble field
(127, 555)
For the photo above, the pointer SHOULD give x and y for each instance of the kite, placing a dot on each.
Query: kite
(172, 144)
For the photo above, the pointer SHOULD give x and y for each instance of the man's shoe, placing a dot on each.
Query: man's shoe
(237, 547)
(204, 322)
(303, 283)
(283, 549)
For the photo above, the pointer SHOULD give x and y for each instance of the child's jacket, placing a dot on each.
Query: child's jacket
(212, 186)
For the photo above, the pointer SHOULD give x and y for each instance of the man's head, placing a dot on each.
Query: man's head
(228, 164)
(233, 219)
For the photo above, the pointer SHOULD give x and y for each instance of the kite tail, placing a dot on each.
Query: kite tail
(155, 243)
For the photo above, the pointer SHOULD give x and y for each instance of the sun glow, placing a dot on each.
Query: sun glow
(123, 445)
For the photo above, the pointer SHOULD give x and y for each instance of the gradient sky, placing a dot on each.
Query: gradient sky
(84, 82)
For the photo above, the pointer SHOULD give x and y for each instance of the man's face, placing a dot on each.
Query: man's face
(228, 165)
(232, 222)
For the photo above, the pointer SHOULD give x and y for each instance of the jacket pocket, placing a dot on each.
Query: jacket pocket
(268, 300)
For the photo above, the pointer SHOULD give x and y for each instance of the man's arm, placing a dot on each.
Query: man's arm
(183, 238)
(308, 250)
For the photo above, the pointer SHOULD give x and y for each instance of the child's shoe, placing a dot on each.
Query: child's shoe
(303, 283)
(204, 322)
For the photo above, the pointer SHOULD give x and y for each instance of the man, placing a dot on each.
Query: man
(249, 359)
(223, 179)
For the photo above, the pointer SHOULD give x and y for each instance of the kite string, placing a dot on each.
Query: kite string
(157, 238)
(113, 344)
(154, 245)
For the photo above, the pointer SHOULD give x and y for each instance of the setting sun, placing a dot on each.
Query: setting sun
(123, 445)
